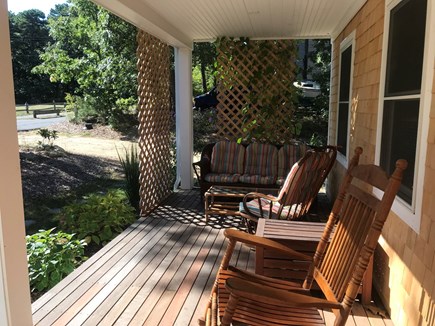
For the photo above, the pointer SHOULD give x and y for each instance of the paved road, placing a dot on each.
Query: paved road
(29, 123)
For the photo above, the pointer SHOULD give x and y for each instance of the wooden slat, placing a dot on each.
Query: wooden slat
(125, 290)
(176, 293)
(194, 296)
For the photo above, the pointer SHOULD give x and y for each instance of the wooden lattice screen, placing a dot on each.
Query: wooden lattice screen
(154, 120)
(273, 74)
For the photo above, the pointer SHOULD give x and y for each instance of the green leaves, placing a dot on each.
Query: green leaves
(52, 256)
(94, 50)
(97, 218)
(130, 165)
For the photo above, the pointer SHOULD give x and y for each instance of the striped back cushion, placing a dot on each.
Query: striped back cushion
(288, 155)
(261, 159)
(227, 157)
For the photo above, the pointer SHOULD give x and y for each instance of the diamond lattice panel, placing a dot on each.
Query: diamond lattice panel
(154, 120)
(238, 68)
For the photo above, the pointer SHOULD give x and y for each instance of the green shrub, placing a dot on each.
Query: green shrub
(124, 116)
(48, 138)
(130, 165)
(98, 218)
(52, 256)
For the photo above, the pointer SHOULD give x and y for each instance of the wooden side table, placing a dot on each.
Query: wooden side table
(302, 237)
(219, 200)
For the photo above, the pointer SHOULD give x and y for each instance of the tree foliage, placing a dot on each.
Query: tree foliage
(29, 35)
(94, 49)
(204, 59)
(321, 58)
(314, 117)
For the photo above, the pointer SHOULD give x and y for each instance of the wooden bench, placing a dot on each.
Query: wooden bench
(302, 237)
(45, 111)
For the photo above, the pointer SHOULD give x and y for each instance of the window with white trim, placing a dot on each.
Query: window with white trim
(403, 78)
(405, 99)
(345, 93)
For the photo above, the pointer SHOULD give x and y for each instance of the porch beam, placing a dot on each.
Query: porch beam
(15, 306)
(147, 19)
(184, 117)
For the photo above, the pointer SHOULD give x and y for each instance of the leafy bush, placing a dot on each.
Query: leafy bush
(124, 115)
(48, 137)
(84, 107)
(130, 165)
(98, 218)
(52, 256)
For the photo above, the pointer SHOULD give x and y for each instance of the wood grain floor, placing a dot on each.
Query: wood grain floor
(159, 271)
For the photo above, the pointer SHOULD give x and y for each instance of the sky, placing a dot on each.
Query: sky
(43, 5)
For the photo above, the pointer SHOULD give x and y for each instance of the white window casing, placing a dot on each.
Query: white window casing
(411, 213)
(344, 45)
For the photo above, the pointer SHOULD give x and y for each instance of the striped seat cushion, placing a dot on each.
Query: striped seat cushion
(222, 177)
(227, 157)
(254, 208)
(288, 155)
(262, 160)
(258, 179)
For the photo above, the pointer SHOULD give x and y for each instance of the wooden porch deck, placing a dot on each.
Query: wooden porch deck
(157, 272)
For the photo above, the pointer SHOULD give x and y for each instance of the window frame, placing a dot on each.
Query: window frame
(410, 214)
(344, 45)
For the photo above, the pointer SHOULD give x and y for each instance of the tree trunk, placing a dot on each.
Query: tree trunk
(203, 77)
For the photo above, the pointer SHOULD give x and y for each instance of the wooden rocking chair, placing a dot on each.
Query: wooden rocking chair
(298, 192)
(338, 268)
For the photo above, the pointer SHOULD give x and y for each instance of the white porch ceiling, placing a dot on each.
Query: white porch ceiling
(180, 22)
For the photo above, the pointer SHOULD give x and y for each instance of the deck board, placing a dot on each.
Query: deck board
(159, 271)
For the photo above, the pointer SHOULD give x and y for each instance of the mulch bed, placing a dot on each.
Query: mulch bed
(54, 173)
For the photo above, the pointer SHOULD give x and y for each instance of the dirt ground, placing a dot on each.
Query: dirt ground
(79, 157)
(101, 141)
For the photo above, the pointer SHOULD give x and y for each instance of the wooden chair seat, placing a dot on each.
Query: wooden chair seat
(266, 313)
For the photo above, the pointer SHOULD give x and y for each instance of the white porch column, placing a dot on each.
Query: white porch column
(184, 120)
(15, 307)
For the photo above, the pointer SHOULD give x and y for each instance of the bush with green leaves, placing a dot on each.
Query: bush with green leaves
(98, 218)
(51, 256)
(130, 165)
(48, 137)
(124, 115)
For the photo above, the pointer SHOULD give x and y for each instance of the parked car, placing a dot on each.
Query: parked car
(308, 88)
(207, 100)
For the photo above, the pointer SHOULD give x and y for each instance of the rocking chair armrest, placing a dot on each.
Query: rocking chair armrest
(197, 169)
(258, 196)
(253, 195)
(254, 240)
(267, 294)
